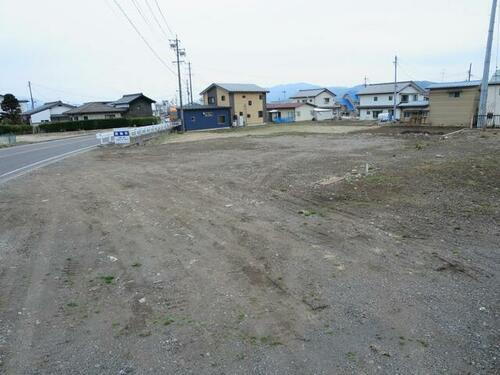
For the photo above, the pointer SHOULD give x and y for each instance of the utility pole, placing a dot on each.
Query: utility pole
(470, 72)
(481, 120)
(190, 83)
(31, 96)
(187, 92)
(174, 44)
(366, 81)
(395, 88)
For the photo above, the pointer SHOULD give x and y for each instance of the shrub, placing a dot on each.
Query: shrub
(97, 124)
(16, 129)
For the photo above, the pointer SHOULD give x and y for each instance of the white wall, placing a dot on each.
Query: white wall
(40, 117)
(304, 113)
(319, 100)
(493, 104)
(44, 116)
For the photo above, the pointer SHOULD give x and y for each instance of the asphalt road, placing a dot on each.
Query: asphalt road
(18, 160)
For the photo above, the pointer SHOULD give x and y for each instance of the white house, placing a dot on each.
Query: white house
(321, 98)
(493, 103)
(379, 98)
(290, 112)
(48, 112)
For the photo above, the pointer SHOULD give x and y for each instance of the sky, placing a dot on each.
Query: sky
(86, 50)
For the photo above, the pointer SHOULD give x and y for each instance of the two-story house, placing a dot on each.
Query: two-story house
(378, 98)
(247, 102)
(321, 98)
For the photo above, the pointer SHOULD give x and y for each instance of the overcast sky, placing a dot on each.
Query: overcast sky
(84, 50)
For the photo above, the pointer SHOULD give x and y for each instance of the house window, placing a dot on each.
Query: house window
(375, 98)
(404, 98)
(326, 100)
(208, 114)
(298, 113)
(244, 96)
(221, 120)
(454, 94)
(407, 114)
(249, 102)
(260, 97)
(109, 116)
(368, 112)
(304, 101)
(261, 114)
(241, 113)
(85, 117)
(211, 100)
(222, 98)
(390, 98)
(249, 115)
(235, 117)
(415, 98)
(310, 100)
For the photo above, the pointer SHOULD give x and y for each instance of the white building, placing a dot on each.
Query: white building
(379, 98)
(48, 112)
(493, 103)
(321, 98)
(290, 112)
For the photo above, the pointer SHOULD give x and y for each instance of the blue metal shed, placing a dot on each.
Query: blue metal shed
(202, 117)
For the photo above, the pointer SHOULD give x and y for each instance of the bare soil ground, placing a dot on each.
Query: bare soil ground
(361, 253)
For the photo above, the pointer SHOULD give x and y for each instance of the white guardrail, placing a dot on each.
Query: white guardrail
(109, 137)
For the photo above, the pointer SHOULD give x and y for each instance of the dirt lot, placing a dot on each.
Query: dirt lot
(361, 253)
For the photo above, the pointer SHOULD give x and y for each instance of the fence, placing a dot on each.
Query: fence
(7, 139)
(491, 121)
(108, 137)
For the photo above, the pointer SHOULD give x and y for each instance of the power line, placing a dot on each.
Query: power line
(156, 19)
(144, 39)
(139, 10)
(163, 16)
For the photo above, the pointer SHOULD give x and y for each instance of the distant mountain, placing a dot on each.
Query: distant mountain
(280, 92)
(285, 91)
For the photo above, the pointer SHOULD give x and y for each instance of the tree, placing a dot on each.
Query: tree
(11, 109)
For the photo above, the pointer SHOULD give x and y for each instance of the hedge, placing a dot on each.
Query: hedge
(16, 129)
(67, 126)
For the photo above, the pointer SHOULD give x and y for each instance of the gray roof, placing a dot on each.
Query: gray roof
(129, 98)
(311, 93)
(387, 88)
(454, 85)
(47, 106)
(94, 107)
(237, 87)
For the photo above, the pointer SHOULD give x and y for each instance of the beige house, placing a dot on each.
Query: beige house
(290, 112)
(453, 103)
(247, 101)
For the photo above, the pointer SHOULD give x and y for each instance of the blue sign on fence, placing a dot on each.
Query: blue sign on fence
(121, 136)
